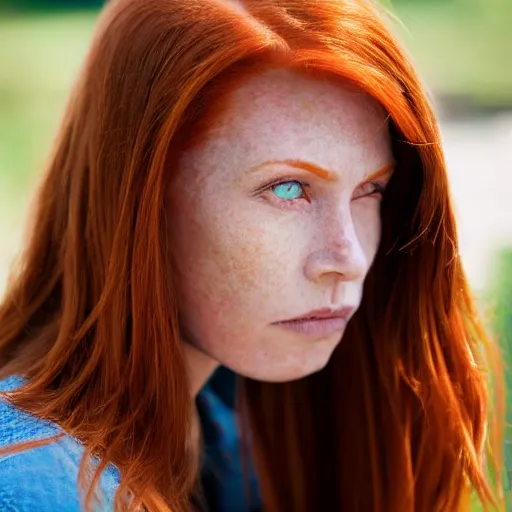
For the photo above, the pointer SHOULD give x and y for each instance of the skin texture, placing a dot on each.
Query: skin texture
(246, 258)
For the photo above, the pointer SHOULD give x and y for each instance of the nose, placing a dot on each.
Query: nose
(340, 254)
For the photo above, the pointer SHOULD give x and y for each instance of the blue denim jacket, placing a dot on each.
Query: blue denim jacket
(44, 479)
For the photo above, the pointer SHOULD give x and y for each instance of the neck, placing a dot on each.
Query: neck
(200, 367)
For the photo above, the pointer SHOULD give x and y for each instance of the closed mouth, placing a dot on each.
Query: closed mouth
(319, 324)
(343, 312)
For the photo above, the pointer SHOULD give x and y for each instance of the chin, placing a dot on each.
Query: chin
(281, 374)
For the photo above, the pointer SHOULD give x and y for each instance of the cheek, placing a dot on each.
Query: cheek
(230, 255)
(367, 223)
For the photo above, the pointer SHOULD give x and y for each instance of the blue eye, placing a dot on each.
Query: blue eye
(289, 190)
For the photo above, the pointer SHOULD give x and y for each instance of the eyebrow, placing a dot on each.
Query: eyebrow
(322, 173)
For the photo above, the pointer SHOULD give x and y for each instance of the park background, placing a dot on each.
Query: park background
(463, 50)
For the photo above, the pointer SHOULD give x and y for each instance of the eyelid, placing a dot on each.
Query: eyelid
(278, 180)
(381, 180)
(377, 187)
(284, 182)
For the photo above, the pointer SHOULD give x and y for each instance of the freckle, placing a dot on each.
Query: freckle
(308, 106)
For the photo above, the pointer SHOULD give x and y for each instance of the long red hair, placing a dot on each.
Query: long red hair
(395, 422)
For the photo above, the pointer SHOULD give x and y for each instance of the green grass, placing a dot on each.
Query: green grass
(39, 56)
(462, 47)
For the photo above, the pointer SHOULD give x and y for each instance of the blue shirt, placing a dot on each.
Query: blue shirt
(44, 479)
(227, 487)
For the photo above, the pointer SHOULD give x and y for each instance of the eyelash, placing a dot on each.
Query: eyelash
(378, 188)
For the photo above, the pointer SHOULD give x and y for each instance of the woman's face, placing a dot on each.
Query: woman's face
(275, 217)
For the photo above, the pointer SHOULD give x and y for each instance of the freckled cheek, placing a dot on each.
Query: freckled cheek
(256, 253)
(238, 253)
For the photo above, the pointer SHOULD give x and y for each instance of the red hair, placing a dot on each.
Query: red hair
(395, 422)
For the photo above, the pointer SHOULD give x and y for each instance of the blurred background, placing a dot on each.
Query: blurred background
(462, 49)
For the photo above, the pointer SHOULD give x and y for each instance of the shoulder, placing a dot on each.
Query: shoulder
(42, 478)
(17, 426)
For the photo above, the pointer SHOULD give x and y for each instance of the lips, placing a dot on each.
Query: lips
(320, 322)
(322, 314)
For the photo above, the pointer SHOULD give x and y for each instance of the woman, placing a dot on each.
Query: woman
(258, 184)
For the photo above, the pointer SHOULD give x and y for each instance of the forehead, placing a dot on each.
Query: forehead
(283, 114)
(280, 96)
